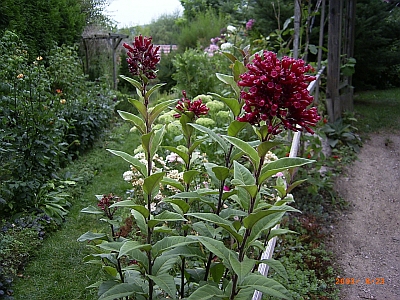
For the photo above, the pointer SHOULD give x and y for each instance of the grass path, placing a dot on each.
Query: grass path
(57, 271)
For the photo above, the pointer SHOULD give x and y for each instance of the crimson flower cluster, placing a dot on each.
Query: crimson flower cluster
(185, 106)
(277, 93)
(142, 57)
(106, 202)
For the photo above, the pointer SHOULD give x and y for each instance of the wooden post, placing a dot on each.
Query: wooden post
(333, 100)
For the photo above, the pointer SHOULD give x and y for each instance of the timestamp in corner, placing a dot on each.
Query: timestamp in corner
(353, 280)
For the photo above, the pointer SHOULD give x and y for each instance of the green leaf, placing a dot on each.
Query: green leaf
(221, 172)
(128, 247)
(235, 127)
(282, 164)
(186, 251)
(158, 109)
(251, 189)
(206, 229)
(153, 89)
(170, 242)
(131, 204)
(242, 175)
(217, 271)
(181, 154)
(263, 225)
(132, 81)
(140, 221)
(111, 246)
(216, 247)
(165, 216)
(152, 183)
(275, 232)
(231, 81)
(188, 176)
(141, 167)
(92, 210)
(234, 105)
(215, 219)
(266, 286)
(243, 268)
(246, 148)
(140, 107)
(206, 292)
(91, 236)
(164, 264)
(119, 291)
(264, 147)
(195, 145)
(181, 204)
(156, 141)
(188, 195)
(277, 266)
(238, 69)
(146, 142)
(254, 217)
(173, 182)
(213, 136)
(138, 122)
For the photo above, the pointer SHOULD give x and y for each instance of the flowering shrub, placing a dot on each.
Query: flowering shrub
(198, 228)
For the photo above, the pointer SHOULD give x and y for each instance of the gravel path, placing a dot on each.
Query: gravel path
(366, 237)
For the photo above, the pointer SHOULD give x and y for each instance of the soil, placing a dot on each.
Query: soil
(366, 237)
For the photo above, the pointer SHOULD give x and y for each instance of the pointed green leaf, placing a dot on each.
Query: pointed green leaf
(295, 184)
(119, 291)
(266, 146)
(152, 183)
(153, 89)
(132, 160)
(158, 109)
(91, 236)
(173, 182)
(140, 107)
(132, 81)
(165, 216)
(242, 175)
(170, 242)
(206, 292)
(129, 246)
(146, 142)
(181, 154)
(183, 206)
(206, 229)
(277, 266)
(156, 140)
(235, 127)
(195, 145)
(188, 176)
(92, 210)
(140, 221)
(275, 232)
(253, 218)
(212, 135)
(263, 225)
(229, 80)
(164, 264)
(221, 172)
(216, 247)
(111, 246)
(238, 69)
(282, 164)
(266, 286)
(131, 204)
(138, 122)
(217, 271)
(213, 218)
(246, 148)
(243, 268)
(251, 189)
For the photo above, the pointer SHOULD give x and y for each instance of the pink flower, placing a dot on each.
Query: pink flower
(250, 24)
(277, 89)
(193, 109)
(142, 57)
(226, 188)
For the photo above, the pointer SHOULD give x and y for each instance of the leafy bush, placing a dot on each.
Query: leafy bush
(51, 115)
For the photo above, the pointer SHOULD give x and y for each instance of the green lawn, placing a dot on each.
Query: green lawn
(378, 110)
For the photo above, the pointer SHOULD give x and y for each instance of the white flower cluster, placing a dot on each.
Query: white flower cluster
(269, 157)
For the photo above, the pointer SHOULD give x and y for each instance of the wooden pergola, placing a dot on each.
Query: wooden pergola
(114, 40)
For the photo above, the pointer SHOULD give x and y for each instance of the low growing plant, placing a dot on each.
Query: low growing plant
(200, 234)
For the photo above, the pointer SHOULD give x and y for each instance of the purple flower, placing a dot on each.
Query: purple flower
(142, 57)
(250, 24)
(277, 90)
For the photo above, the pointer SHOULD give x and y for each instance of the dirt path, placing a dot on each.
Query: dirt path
(366, 237)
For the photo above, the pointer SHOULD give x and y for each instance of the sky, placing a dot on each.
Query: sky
(140, 12)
